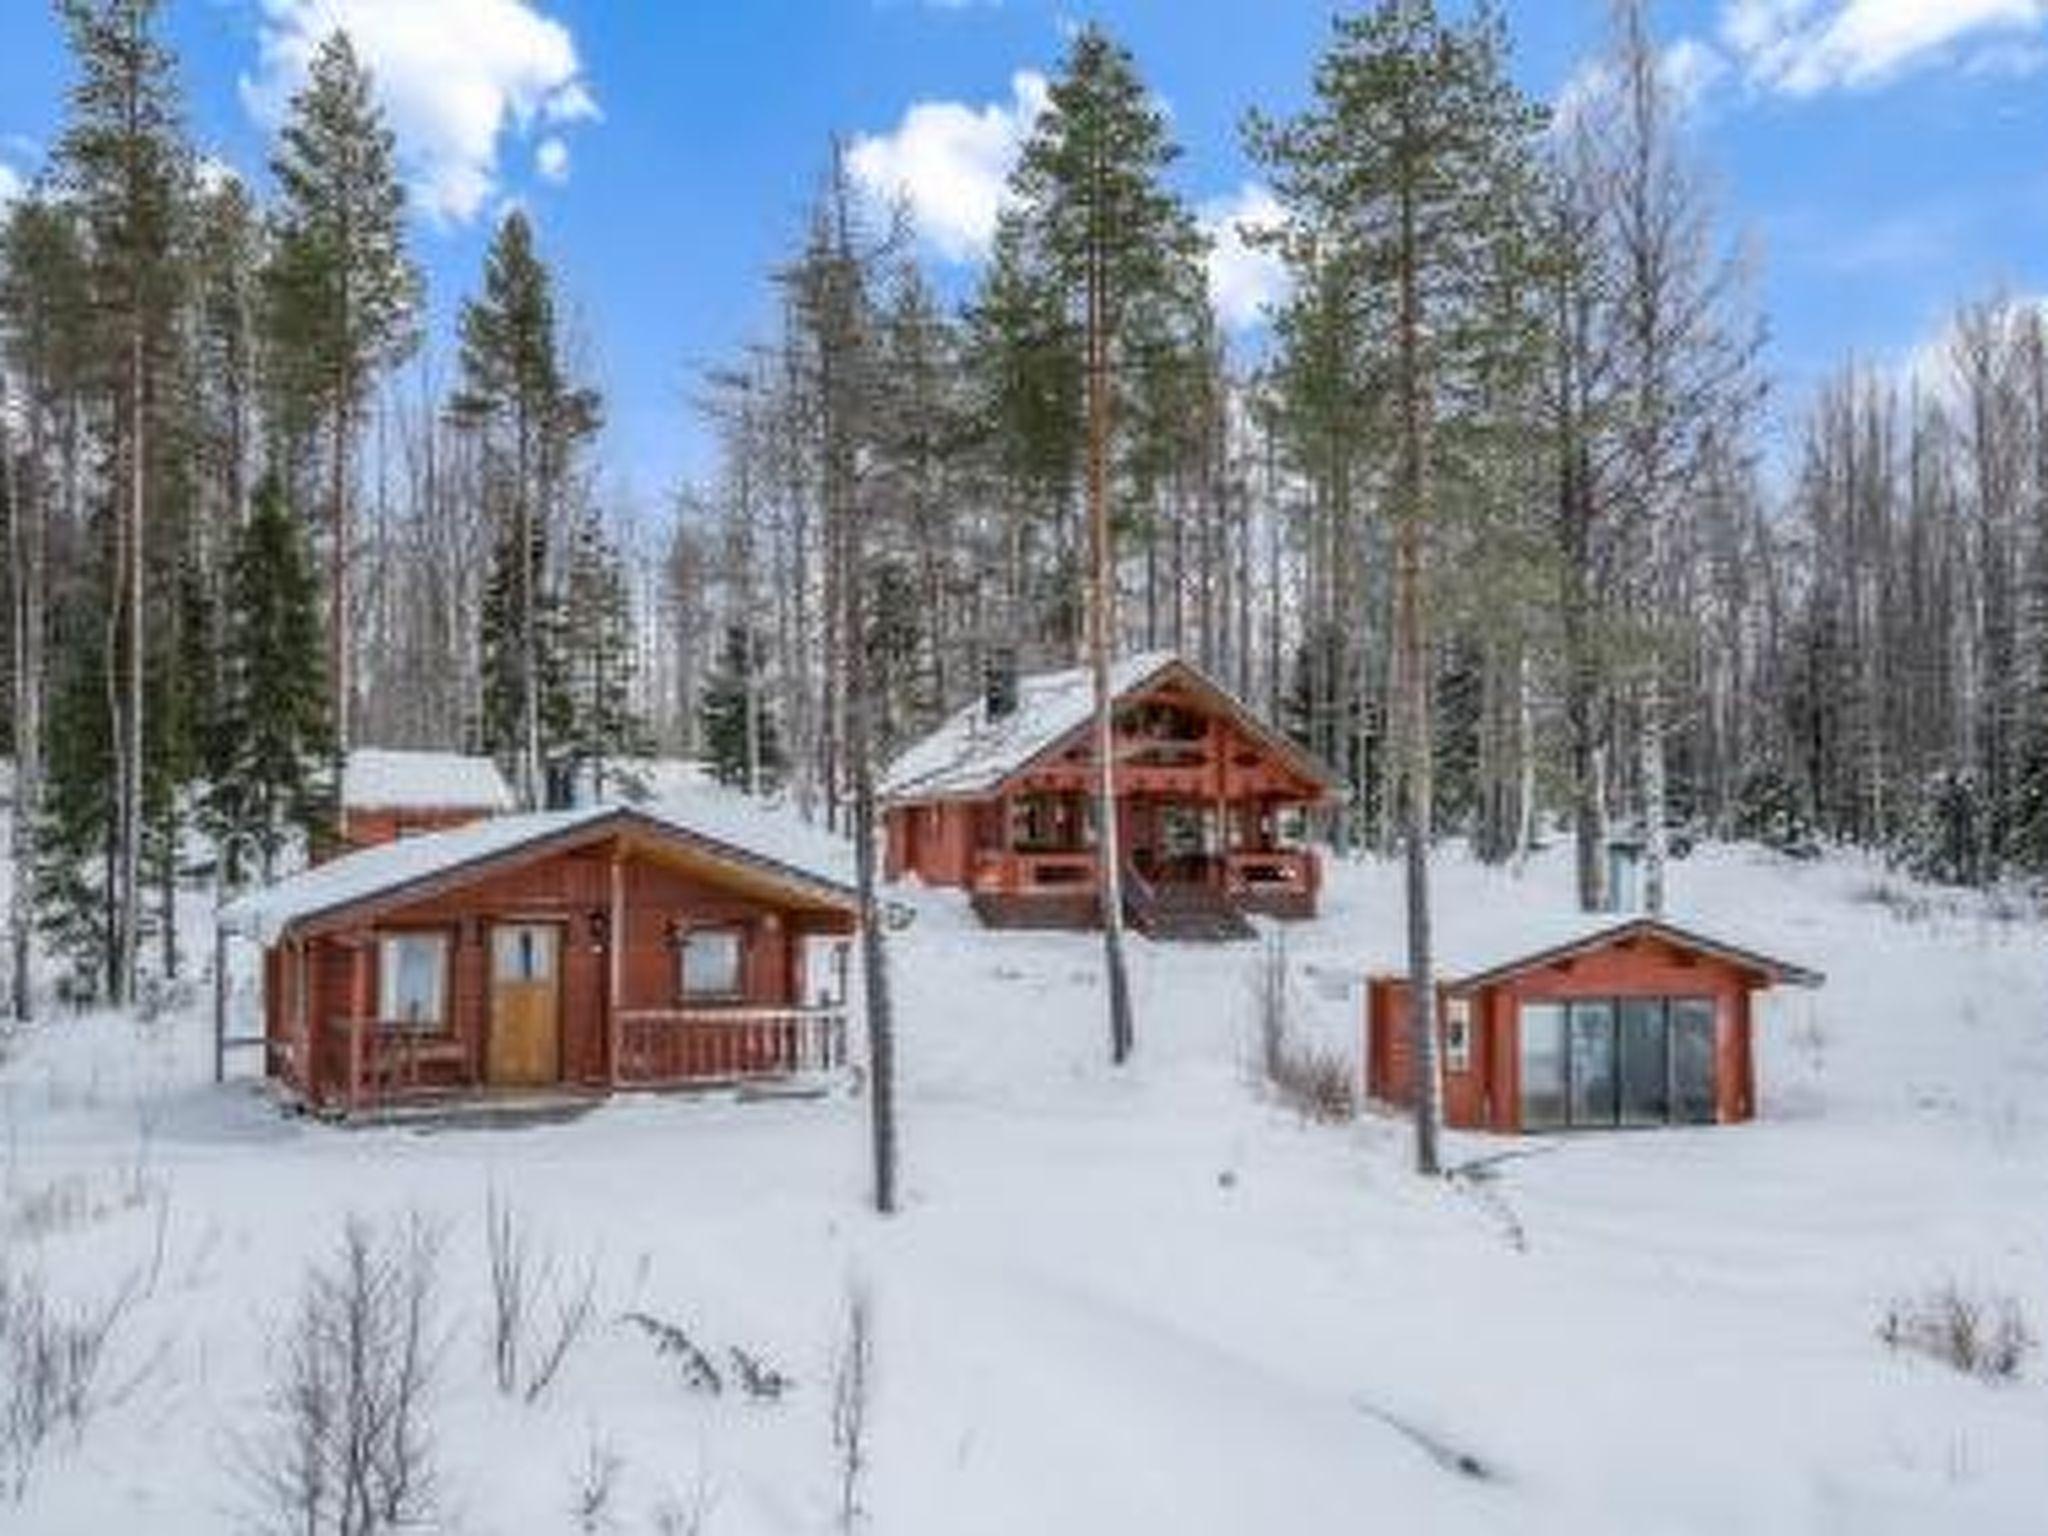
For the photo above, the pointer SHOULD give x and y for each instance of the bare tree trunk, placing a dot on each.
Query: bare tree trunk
(1101, 637)
(26, 525)
(128, 865)
(1412, 621)
(1655, 842)
(1525, 761)
(340, 681)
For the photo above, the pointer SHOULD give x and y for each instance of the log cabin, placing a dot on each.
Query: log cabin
(556, 953)
(1638, 1023)
(387, 794)
(999, 801)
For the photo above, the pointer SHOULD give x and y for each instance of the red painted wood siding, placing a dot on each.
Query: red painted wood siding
(1489, 1095)
(573, 891)
(936, 840)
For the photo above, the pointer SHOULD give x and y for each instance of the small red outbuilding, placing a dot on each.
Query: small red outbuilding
(1636, 1023)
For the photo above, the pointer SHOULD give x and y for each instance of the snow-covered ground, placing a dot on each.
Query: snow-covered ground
(1138, 1301)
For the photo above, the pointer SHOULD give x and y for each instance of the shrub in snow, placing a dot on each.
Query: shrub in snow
(527, 1350)
(756, 1376)
(852, 1389)
(678, 1515)
(348, 1445)
(1771, 811)
(671, 1342)
(1945, 837)
(595, 1488)
(1984, 1336)
(51, 1358)
(1317, 1084)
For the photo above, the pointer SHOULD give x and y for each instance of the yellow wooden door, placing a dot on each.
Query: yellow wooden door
(525, 1047)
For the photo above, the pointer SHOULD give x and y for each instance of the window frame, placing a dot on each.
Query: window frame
(1458, 1034)
(737, 992)
(388, 1019)
(1668, 1004)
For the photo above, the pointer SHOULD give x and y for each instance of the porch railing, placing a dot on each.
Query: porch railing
(370, 1061)
(1277, 869)
(667, 1046)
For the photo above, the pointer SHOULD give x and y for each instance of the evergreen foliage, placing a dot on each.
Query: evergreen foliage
(730, 692)
(272, 733)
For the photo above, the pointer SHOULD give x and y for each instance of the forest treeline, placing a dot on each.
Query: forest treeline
(1490, 517)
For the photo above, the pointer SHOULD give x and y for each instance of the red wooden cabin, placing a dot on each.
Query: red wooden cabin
(1000, 802)
(387, 794)
(582, 950)
(1634, 1024)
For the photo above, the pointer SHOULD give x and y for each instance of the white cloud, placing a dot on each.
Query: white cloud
(454, 75)
(1243, 280)
(551, 159)
(948, 162)
(10, 184)
(1803, 47)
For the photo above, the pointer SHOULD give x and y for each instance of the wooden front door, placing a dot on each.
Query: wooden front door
(525, 1045)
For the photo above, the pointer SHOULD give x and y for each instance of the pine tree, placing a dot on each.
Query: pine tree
(272, 734)
(1123, 254)
(124, 162)
(45, 326)
(531, 419)
(729, 696)
(343, 297)
(1414, 160)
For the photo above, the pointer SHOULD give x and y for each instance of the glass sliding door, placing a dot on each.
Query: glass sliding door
(1594, 1078)
(1543, 1066)
(1695, 1099)
(1645, 1062)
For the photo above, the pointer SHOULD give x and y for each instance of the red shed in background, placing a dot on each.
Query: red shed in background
(1637, 1023)
(388, 793)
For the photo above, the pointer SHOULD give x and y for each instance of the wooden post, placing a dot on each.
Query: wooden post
(302, 1027)
(615, 950)
(220, 1004)
(359, 1014)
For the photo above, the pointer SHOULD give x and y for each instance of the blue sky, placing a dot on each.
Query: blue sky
(1887, 157)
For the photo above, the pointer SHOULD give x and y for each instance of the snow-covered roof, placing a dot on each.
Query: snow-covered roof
(389, 779)
(724, 825)
(971, 753)
(1471, 947)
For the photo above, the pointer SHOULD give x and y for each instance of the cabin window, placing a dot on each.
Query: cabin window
(412, 981)
(710, 960)
(522, 953)
(1458, 1034)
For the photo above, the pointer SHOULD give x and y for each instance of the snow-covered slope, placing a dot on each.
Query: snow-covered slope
(1149, 1300)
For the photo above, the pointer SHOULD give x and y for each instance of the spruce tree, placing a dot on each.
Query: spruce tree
(272, 732)
(343, 296)
(531, 419)
(74, 854)
(729, 694)
(604, 725)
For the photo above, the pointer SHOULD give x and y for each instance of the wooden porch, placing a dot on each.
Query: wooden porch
(370, 1065)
